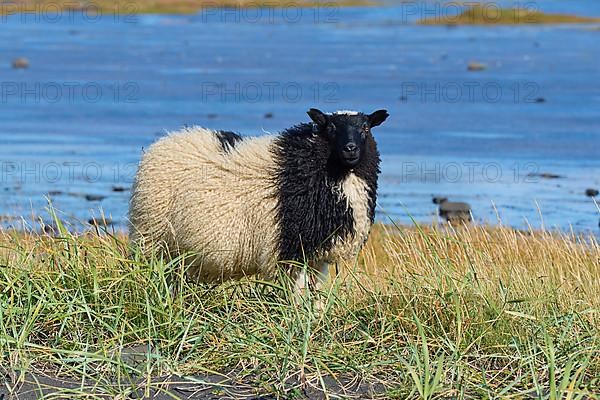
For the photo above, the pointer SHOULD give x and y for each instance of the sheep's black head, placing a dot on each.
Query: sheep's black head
(346, 132)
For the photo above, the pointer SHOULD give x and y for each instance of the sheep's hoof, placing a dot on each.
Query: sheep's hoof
(319, 307)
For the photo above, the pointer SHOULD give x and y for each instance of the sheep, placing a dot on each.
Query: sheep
(249, 205)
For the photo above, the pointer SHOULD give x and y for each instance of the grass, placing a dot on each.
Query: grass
(424, 313)
(133, 7)
(478, 15)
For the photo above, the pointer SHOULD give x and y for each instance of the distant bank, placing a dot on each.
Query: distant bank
(132, 7)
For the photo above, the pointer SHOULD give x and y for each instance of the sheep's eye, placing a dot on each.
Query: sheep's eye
(365, 128)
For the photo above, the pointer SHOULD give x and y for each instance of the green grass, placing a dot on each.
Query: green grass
(425, 313)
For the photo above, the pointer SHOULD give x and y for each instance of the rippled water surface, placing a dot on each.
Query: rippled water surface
(74, 124)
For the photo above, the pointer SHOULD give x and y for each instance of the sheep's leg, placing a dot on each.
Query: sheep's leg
(301, 282)
(322, 277)
(300, 287)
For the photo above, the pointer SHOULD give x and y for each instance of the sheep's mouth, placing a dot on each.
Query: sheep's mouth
(351, 161)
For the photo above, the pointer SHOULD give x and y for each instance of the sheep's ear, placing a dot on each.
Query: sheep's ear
(378, 117)
(318, 117)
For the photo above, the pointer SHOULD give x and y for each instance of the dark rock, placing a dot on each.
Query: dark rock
(49, 229)
(268, 115)
(591, 192)
(119, 189)
(439, 199)
(20, 63)
(454, 212)
(94, 197)
(544, 175)
(100, 222)
(212, 116)
(55, 193)
(547, 175)
(540, 100)
(475, 66)
(8, 218)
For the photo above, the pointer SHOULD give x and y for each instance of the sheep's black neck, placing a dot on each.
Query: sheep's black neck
(311, 211)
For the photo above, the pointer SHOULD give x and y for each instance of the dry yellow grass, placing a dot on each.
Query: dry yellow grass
(531, 262)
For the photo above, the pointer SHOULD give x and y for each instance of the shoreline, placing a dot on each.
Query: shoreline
(472, 15)
(177, 7)
(99, 225)
(482, 16)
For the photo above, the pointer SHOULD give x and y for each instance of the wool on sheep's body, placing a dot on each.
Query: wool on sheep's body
(240, 205)
(190, 196)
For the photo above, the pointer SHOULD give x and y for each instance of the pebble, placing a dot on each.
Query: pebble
(100, 222)
(545, 175)
(475, 66)
(94, 197)
(20, 63)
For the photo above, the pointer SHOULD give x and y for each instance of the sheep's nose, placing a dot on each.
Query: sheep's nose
(350, 147)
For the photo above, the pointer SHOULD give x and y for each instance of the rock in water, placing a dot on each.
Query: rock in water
(102, 222)
(544, 175)
(475, 66)
(20, 63)
(439, 199)
(94, 197)
(591, 192)
(454, 212)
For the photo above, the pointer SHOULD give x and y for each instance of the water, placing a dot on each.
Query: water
(97, 93)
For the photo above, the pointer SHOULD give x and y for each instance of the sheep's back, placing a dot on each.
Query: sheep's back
(193, 195)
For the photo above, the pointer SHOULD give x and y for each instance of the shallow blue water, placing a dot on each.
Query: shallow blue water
(96, 93)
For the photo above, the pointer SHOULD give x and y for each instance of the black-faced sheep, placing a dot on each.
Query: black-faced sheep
(241, 204)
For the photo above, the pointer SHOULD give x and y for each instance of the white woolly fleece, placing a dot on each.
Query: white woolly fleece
(344, 112)
(190, 196)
